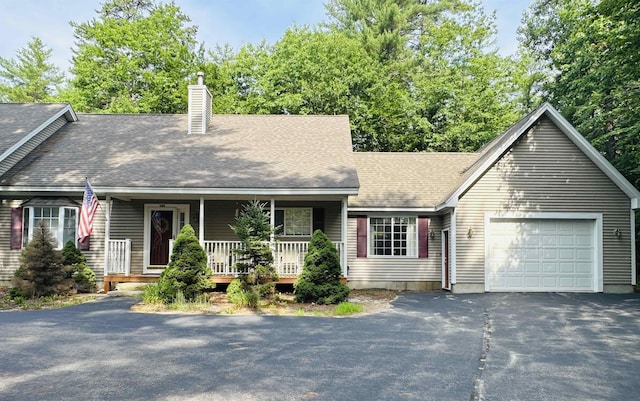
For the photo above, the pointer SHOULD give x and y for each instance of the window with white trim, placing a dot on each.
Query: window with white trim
(393, 236)
(294, 222)
(61, 221)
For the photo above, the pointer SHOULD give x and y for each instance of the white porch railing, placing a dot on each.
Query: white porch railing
(118, 257)
(288, 257)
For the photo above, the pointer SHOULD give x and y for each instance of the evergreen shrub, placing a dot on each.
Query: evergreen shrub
(187, 271)
(75, 262)
(41, 270)
(319, 281)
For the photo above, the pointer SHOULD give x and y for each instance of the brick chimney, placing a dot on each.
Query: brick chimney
(199, 107)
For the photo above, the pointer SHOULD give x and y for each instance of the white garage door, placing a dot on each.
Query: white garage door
(540, 255)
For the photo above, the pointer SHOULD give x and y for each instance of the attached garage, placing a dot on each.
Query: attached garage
(552, 252)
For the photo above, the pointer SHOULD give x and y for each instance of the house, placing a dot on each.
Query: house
(536, 209)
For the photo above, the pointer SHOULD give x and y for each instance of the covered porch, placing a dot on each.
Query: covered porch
(139, 234)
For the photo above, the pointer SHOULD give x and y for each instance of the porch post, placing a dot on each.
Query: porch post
(107, 233)
(201, 221)
(343, 224)
(272, 221)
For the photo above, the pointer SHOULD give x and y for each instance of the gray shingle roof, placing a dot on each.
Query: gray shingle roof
(407, 180)
(19, 119)
(155, 151)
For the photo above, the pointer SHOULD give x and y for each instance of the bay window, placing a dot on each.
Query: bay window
(61, 221)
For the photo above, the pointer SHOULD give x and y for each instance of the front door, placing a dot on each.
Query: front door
(161, 233)
(162, 222)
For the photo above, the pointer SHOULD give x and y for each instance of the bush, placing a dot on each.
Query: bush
(41, 270)
(241, 294)
(151, 294)
(319, 281)
(187, 271)
(75, 262)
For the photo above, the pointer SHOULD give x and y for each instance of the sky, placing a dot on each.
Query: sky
(235, 22)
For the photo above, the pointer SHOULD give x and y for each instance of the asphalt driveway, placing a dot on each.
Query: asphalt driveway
(429, 346)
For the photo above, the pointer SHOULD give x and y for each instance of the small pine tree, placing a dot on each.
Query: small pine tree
(41, 270)
(77, 269)
(187, 271)
(255, 266)
(319, 281)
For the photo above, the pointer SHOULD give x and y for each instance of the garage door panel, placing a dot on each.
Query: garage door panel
(541, 255)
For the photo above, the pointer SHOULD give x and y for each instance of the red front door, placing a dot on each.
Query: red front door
(161, 233)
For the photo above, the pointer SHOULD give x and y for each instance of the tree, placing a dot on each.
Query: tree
(31, 77)
(41, 270)
(255, 259)
(187, 271)
(590, 51)
(320, 278)
(136, 57)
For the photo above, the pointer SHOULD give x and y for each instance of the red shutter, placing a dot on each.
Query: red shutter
(84, 246)
(423, 237)
(362, 237)
(16, 228)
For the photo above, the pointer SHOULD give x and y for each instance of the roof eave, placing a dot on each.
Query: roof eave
(66, 111)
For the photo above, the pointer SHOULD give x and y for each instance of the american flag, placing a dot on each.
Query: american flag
(89, 206)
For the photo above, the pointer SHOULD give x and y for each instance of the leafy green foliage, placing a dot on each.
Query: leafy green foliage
(76, 267)
(135, 57)
(151, 294)
(591, 54)
(187, 271)
(255, 259)
(41, 270)
(241, 295)
(347, 308)
(319, 281)
(411, 75)
(31, 77)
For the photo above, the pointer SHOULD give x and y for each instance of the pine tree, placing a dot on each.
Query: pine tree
(256, 270)
(41, 269)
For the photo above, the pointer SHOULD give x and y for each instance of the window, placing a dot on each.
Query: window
(62, 222)
(393, 236)
(294, 221)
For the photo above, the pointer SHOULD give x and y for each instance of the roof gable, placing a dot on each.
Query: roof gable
(495, 149)
(21, 121)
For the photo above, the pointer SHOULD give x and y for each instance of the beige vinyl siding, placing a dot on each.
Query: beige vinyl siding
(543, 172)
(446, 221)
(220, 214)
(31, 144)
(127, 222)
(374, 269)
(10, 258)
